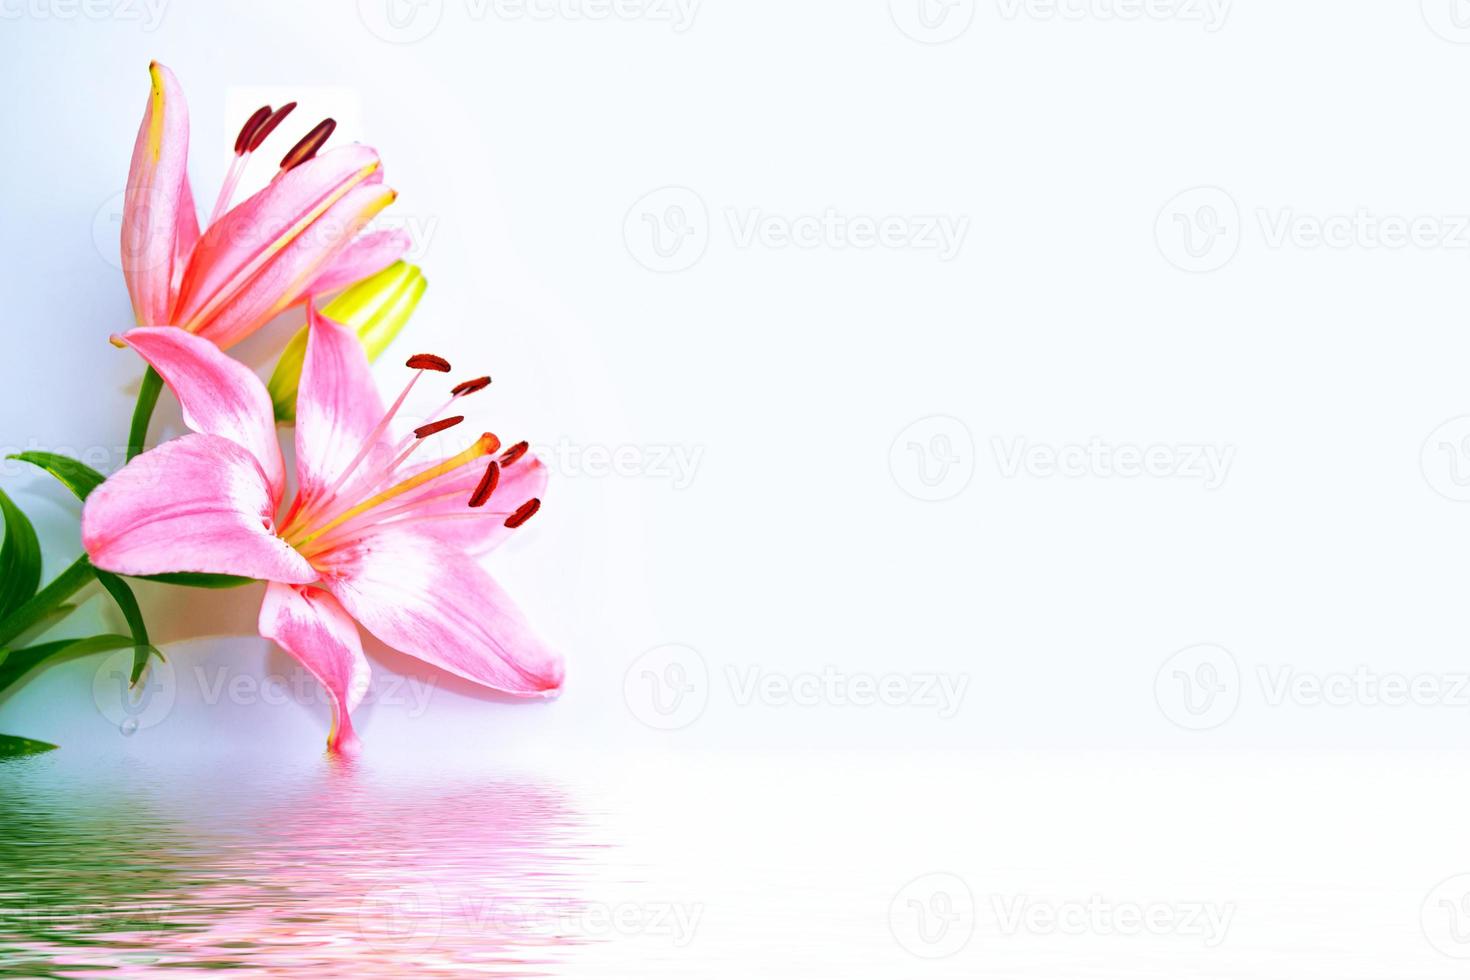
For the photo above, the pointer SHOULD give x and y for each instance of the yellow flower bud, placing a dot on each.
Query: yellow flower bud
(376, 308)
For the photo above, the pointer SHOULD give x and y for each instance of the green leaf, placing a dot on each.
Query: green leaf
(122, 594)
(18, 663)
(198, 580)
(13, 746)
(76, 476)
(20, 559)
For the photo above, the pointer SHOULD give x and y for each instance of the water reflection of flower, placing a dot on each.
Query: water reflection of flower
(340, 874)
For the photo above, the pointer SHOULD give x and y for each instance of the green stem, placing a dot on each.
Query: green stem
(43, 603)
(143, 414)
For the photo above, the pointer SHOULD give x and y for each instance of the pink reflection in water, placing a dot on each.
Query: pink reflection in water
(339, 873)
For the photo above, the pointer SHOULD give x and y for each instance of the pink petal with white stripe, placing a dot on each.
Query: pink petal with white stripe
(159, 224)
(219, 395)
(338, 410)
(368, 255)
(438, 604)
(313, 627)
(199, 503)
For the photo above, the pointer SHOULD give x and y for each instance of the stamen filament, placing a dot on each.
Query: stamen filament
(381, 516)
(363, 450)
(484, 446)
(349, 535)
(227, 189)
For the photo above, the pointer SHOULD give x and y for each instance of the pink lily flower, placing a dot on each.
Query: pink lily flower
(374, 534)
(298, 236)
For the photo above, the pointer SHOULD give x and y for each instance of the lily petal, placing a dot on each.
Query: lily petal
(219, 395)
(283, 280)
(439, 605)
(367, 255)
(199, 503)
(338, 408)
(301, 208)
(313, 627)
(186, 237)
(158, 220)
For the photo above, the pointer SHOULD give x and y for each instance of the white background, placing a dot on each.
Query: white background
(1240, 229)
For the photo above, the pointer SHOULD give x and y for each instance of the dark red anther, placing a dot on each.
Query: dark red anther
(248, 130)
(514, 453)
(428, 362)
(523, 513)
(268, 126)
(470, 387)
(487, 485)
(424, 431)
(310, 143)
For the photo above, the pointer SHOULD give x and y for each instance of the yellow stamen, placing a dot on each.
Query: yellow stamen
(484, 446)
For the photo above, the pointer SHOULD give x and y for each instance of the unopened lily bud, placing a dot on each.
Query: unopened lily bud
(376, 309)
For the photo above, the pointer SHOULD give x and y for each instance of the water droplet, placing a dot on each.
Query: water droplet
(129, 726)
